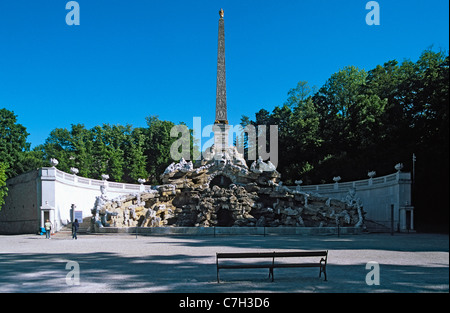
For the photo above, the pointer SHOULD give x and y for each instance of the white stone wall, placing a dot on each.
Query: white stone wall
(82, 192)
(51, 189)
(378, 195)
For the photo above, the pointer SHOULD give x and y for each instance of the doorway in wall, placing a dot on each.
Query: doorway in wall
(46, 216)
(225, 218)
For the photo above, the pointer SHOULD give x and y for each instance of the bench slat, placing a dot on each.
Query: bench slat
(300, 254)
(245, 255)
(286, 265)
(244, 266)
(271, 254)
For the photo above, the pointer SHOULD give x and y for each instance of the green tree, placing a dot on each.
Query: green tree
(72, 148)
(32, 160)
(13, 142)
(107, 151)
(124, 153)
(298, 130)
(80, 149)
(3, 188)
(299, 95)
(58, 145)
(334, 103)
(135, 159)
(115, 137)
(157, 143)
(244, 140)
(306, 138)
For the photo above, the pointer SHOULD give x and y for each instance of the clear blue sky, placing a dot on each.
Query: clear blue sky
(129, 59)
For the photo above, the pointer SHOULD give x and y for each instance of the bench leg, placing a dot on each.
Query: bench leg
(324, 271)
(271, 272)
(218, 281)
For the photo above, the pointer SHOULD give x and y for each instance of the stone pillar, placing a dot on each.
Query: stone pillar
(221, 126)
(402, 219)
(405, 211)
(48, 195)
(221, 137)
(221, 88)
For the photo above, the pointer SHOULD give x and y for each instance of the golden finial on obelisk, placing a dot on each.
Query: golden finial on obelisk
(221, 13)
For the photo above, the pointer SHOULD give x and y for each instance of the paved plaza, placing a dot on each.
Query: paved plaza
(124, 263)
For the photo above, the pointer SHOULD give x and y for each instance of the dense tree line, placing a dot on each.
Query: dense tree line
(123, 152)
(358, 121)
(361, 121)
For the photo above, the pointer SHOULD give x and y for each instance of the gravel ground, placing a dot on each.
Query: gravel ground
(408, 263)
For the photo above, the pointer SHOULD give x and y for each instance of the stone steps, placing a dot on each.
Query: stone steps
(375, 227)
(84, 227)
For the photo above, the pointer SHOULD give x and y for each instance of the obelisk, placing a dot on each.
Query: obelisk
(221, 126)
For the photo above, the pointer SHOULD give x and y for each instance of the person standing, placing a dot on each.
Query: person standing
(48, 228)
(75, 226)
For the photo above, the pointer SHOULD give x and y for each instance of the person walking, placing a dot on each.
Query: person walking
(48, 228)
(75, 226)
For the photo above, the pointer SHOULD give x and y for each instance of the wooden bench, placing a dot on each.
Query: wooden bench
(322, 264)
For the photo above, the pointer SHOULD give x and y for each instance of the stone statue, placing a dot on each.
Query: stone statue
(54, 162)
(182, 166)
(185, 166)
(260, 166)
(126, 217)
(282, 188)
(105, 215)
(170, 168)
(133, 212)
(149, 216)
(256, 166)
(270, 167)
(97, 211)
(354, 202)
